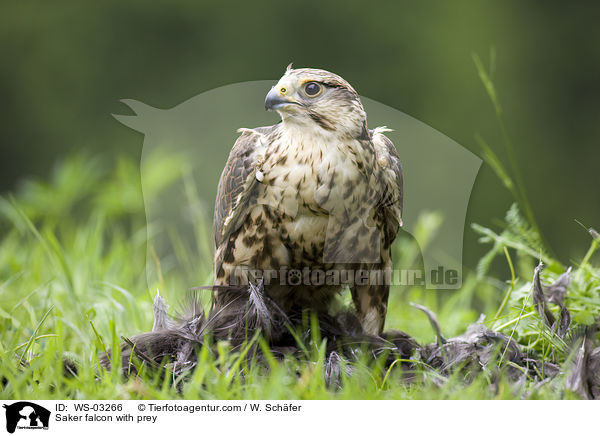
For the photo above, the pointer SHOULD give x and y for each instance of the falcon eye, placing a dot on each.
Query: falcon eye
(312, 89)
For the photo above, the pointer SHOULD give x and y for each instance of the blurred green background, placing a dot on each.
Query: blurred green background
(65, 65)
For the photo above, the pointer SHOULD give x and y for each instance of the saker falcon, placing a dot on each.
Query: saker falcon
(317, 192)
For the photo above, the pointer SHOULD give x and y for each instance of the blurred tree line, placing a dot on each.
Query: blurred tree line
(65, 65)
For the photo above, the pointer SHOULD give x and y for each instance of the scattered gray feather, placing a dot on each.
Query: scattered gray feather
(433, 320)
(557, 290)
(554, 293)
(161, 318)
(593, 373)
(540, 299)
(333, 371)
(576, 380)
(258, 311)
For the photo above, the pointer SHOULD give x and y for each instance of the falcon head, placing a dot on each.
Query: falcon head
(312, 98)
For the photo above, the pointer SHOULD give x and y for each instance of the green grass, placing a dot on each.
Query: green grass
(73, 282)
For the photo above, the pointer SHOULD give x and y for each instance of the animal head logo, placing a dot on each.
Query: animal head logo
(24, 414)
(438, 173)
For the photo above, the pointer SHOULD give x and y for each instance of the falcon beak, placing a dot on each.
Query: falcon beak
(275, 100)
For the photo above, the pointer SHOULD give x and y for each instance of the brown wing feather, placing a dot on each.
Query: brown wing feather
(392, 199)
(237, 182)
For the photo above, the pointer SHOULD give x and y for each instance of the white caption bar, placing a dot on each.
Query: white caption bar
(261, 417)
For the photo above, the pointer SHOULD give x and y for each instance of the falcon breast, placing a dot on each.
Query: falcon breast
(310, 205)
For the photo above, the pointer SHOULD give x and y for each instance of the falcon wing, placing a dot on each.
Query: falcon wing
(391, 200)
(237, 184)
